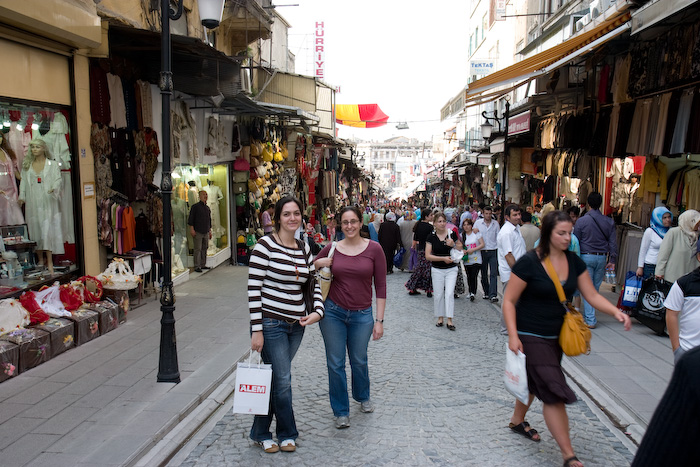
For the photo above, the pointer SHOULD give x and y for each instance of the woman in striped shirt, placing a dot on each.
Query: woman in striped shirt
(279, 266)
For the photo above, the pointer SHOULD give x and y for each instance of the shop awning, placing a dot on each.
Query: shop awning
(553, 57)
(360, 115)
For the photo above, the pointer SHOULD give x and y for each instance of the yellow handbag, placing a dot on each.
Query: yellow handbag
(575, 336)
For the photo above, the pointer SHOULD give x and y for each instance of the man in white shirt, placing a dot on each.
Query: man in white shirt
(683, 312)
(488, 228)
(511, 246)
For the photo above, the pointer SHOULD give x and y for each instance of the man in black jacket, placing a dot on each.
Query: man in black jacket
(389, 237)
(200, 229)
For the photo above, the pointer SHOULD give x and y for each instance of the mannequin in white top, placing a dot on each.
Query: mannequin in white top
(40, 189)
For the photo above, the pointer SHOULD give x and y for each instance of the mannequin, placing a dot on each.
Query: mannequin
(192, 193)
(631, 204)
(10, 212)
(215, 196)
(40, 189)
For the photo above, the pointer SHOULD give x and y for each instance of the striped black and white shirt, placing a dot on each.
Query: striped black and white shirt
(275, 276)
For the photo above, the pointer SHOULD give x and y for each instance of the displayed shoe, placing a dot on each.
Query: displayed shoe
(197, 270)
(429, 295)
(367, 406)
(413, 292)
(288, 445)
(268, 445)
(342, 422)
(471, 297)
(494, 299)
(486, 297)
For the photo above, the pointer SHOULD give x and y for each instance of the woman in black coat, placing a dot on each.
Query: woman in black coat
(389, 238)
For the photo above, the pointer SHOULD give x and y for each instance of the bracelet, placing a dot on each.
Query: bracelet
(379, 321)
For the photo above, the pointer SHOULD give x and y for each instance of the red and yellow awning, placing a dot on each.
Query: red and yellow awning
(360, 115)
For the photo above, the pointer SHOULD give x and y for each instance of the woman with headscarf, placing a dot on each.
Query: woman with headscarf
(421, 278)
(390, 239)
(661, 219)
(374, 224)
(677, 251)
(406, 229)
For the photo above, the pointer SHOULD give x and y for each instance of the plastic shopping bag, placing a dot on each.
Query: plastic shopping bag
(633, 285)
(253, 385)
(398, 257)
(515, 377)
(413, 259)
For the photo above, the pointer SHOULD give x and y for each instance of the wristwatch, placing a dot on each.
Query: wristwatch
(379, 321)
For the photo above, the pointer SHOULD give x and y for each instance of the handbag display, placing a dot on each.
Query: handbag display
(575, 336)
(325, 276)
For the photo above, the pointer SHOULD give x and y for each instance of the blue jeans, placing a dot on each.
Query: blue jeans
(349, 329)
(488, 280)
(596, 268)
(282, 341)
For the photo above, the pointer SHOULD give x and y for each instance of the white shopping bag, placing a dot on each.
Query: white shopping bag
(515, 377)
(253, 385)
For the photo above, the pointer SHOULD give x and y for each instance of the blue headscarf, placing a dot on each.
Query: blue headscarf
(657, 220)
(417, 214)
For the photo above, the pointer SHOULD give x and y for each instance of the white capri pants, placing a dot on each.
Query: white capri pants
(444, 281)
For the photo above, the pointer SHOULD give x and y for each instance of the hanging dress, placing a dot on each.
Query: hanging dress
(10, 212)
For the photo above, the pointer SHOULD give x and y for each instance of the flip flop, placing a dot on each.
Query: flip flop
(440, 324)
(570, 460)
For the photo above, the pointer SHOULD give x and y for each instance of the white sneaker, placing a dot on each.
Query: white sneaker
(367, 406)
(288, 445)
(268, 445)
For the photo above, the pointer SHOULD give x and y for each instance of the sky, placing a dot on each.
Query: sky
(408, 56)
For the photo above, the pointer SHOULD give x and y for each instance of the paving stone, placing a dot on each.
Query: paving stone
(439, 400)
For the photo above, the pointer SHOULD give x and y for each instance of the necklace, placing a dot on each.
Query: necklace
(286, 248)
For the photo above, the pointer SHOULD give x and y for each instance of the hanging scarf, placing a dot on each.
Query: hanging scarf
(687, 222)
(657, 220)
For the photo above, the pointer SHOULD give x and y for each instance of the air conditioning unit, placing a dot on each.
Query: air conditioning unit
(596, 9)
(580, 24)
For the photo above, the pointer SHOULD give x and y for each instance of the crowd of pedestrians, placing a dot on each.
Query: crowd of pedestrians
(531, 251)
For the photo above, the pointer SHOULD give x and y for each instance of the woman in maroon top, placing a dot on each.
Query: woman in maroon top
(348, 322)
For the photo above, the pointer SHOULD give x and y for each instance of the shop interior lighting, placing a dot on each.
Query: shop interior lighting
(35, 126)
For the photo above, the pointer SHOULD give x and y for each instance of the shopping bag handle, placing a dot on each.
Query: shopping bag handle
(250, 356)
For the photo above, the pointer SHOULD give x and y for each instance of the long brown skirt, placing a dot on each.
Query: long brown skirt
(545, 377)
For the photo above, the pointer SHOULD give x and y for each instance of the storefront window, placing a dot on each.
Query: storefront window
(188, 181)
(36, 196)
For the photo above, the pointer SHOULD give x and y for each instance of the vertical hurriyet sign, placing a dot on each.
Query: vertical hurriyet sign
(319, 50)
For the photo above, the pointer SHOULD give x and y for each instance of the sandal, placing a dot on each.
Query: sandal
(570, 460)
(451, 327)
(522, 429)
(439, 324)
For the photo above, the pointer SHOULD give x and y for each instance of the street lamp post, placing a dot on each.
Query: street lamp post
(168, 371)
(486, 129)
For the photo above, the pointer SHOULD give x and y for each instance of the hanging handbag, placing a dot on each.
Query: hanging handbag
(325, 276)
(575, 336)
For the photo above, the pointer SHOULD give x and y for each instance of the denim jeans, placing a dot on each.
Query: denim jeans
(349, 329)
(444, 281)
(488, 279)
(596, 268)
(282, 341)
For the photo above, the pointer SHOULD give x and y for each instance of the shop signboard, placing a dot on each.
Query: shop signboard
(484, 160)
(319, 51)
(500, 10)
(481, 67)
(518, 124)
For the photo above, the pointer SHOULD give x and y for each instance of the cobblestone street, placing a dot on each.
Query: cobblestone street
(439, 399)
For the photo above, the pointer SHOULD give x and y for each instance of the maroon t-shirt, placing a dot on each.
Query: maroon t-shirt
(352, 276)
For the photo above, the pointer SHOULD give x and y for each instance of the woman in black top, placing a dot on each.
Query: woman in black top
(443, 269)
(534, 318)
(421, 279)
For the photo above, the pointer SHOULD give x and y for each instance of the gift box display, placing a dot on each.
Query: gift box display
(61, 332)
(109, 315)
(121, 298)
(87, 326)
(34, 347)
(9, 360)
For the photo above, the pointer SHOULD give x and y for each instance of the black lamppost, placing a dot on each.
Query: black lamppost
(486, 134)
(168, 371)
